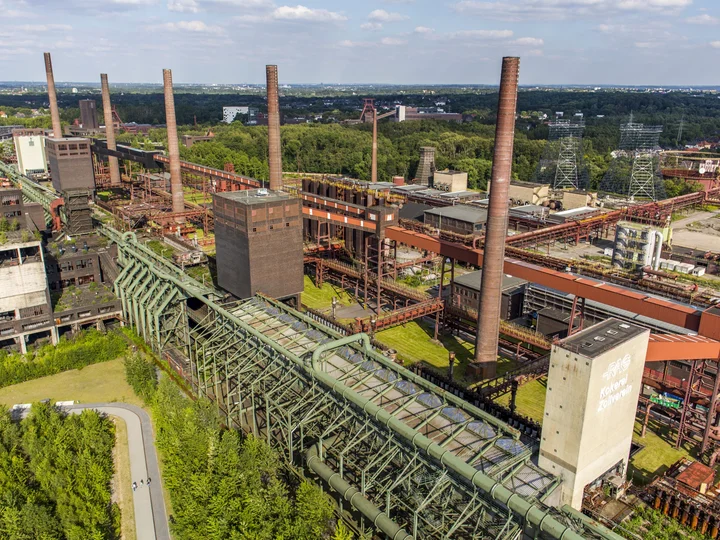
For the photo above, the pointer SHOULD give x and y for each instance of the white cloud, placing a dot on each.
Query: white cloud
(703, 19)
(481, 34)
(393, 41)
(190, 6)
(647, 44)
(371, 26)
(382, 16)
(423, 30)
(192, 26)
(43, 27)
(531, 10)
(302, 13)
(715, 44)
(531, 41)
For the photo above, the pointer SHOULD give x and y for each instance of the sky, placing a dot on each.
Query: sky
(621, 42)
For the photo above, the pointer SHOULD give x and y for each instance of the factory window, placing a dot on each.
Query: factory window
(62, 147)
(31, 142)
(73, 147)
(83, 147)
(287, 224)
(7, 315)
(84, 280)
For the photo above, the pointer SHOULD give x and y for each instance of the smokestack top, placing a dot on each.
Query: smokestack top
(178, 198)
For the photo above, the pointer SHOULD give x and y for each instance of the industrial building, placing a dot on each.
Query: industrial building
(459, 219)
(452, 181)
(30, 152)
(466, 294)
(70, 163)
(30, 215)
(593, 385)
(408, 114)
(229, 113)
(88, 114)
(258, 238)
(636, 246)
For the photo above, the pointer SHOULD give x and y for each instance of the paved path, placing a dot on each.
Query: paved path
(150, 515)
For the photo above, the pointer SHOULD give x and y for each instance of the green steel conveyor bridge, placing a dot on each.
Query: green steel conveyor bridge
(413, 460)
(32, 191)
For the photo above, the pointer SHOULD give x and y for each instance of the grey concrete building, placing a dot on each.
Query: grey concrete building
(466, 293)
(70, 163)
(593, 386)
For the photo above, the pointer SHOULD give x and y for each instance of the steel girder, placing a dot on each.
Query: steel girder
(258, 372)
(32, 191)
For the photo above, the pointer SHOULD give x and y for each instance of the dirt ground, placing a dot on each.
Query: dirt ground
(698, 231)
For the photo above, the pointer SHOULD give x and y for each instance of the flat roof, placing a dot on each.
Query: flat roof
(602, 337)
(68, 139)
(462, 212)
(254, 196)
(473, 280)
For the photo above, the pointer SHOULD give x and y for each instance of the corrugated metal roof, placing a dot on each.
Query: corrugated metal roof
(473, 280)
(461, 212)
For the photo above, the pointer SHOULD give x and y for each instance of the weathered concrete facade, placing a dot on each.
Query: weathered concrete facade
(592, 391)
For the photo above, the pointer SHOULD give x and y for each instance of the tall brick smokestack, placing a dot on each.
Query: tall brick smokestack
(109, 130)
(486, 340)
(373, 165)
(52, 97)
(274, 150)
(178, 199)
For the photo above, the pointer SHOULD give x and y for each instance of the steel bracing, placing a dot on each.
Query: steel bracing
(413, 460)
(561, 165)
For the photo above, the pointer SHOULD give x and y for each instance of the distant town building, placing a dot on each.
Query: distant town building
(407, 114)
(229, 113)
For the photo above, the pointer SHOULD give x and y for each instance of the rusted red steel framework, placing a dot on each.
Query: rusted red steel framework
(224, 181)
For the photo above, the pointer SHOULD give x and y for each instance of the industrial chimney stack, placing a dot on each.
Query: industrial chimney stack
(274, 150)
(178, 199)
(52, 97)
(486, 340)
(109, 130)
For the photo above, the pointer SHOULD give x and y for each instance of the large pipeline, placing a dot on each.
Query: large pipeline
(109, 130)
(176, 188)
(52, 97)
(274, 150)
(486, 340)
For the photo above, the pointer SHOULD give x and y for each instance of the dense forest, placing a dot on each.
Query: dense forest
(223, 485)
(327, 147)
(55, 474)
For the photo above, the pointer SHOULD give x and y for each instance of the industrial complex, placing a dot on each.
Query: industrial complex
(541, 277)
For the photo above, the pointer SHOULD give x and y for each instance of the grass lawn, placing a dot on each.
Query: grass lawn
(321, 298)
(123, 479)
(530, 400)
(414, 343)
(96, 383)
(659, 452)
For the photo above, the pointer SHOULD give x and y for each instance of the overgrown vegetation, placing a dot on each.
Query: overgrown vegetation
(141, 375)
(87, 347)
(225, 486)
(649, 523)
(55, 473)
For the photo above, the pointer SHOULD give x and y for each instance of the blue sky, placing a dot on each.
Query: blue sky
(375, 41)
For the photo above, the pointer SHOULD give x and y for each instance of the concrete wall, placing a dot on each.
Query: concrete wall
(590, 412)
(30, 150)
(452, 181)
(23, 286)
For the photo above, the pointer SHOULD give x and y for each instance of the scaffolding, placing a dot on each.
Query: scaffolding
(635, 171)
(561, 165)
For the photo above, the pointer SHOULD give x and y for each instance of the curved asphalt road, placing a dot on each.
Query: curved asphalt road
(150, 515)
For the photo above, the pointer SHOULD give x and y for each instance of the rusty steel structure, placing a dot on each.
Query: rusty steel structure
(274, 149)
(486, 340)
(176, 188)
(109, 131)
(52, 97)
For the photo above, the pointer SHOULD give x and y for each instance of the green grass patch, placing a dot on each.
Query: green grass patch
(658, 454)
(93, 384)
(321, 298)
(530, 400)
(414, 343)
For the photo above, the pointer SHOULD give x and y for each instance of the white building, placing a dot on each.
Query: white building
(229, 113)
(30, 151)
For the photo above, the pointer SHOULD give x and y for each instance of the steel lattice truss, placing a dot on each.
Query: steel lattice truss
(561, 165)
(406, 455)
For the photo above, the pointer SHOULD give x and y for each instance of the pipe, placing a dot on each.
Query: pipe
(373, 165)
(178, 198)
(274, 149)
(658, 249)
(542, 520)
(109, 130)
(591, 524)
(356, 499)
(52, 97)
(488, 328)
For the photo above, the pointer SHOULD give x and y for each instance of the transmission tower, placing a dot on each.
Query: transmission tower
(634, 171)
(561, 165)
